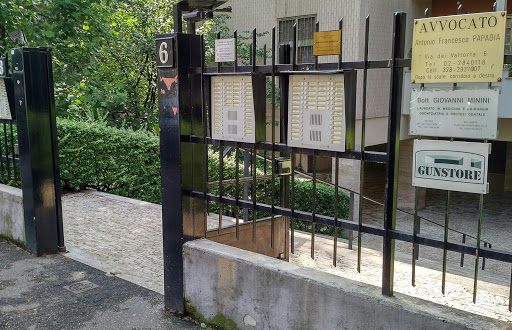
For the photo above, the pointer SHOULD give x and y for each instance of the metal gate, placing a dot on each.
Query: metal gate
(187, 129)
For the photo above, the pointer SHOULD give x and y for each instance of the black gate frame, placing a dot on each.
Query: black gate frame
(185, 136)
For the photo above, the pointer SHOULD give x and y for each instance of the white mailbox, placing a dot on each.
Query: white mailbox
(238, 108)
(317, 111)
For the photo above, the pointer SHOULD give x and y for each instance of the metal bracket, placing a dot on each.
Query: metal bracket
(283, 166)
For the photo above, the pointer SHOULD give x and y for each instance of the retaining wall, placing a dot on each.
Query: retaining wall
(245, 290)
(12, 224)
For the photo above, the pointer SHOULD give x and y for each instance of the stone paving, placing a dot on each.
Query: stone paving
(120, 236)
(123, 237)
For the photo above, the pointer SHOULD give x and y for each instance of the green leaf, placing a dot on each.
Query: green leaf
(49, 34)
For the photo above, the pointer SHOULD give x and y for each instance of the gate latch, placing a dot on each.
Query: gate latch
(283, 166)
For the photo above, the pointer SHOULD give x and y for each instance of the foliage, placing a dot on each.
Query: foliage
(103, 54)
(118, 161)
(303, 193)
(324, 205)
(127, 163)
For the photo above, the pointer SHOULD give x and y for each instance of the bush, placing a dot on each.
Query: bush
(117, 161)
(303, 193)
(324, 205)
(127, 163)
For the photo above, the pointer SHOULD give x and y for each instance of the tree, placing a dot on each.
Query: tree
(103, 54)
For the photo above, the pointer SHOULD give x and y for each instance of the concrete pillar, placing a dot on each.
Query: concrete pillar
(508, 168)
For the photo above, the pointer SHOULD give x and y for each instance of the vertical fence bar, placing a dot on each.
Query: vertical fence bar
(204, 123)
(254, 48)
(483, 259)
(13, 153)
(7, 163)
(445, 237)
(237, 155)
(414, 233)
(294, 47)
(317, 29)
(340, 58)
(254, 159)
(462, 253)
(418, 232)
(246, 184)
(253, 194)
(273, 128)
(221, 185)
(510, 294)
(313, 208)
(292, 204)
(219, 64)
(235, 36)
(336, 189)
(415, 246)
(363, 144)
(2, 155)
(265, 54)
(351, 219)
(237, 189)
(478, 240)
(393, 148)
(483, 265)
(447, 214)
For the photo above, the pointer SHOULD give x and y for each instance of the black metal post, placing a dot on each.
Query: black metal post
(177, 14)
(39, 158)
(393, 147)
(180, 109)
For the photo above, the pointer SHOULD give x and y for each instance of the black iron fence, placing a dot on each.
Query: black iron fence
(9, 162)
(187, 145)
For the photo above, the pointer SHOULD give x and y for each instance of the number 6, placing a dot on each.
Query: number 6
(162, 52)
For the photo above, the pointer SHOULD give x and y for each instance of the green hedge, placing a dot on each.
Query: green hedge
(117, 161)
(303, 193)
(127, 163)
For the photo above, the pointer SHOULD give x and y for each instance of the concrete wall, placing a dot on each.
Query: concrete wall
(12, 225)
(250, 291)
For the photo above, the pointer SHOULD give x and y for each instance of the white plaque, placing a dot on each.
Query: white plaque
(466, 112)
(225, 50)
(5, 110)
(456, 166)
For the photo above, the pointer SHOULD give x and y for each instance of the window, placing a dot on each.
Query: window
(306, 27)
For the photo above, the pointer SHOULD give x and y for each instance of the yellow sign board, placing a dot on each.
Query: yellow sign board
(327, 43)
(460, 48)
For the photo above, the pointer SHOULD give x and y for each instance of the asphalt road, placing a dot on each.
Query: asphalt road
(35, 294)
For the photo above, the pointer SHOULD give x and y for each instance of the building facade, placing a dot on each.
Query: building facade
(283, 14)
